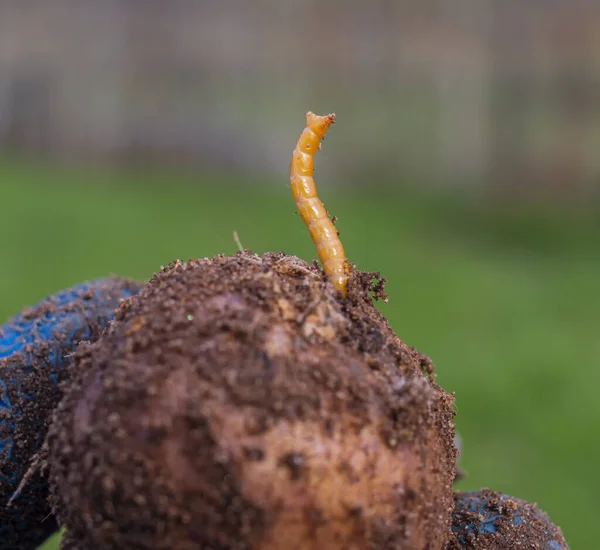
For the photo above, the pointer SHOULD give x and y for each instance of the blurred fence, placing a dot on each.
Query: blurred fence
(498, 91)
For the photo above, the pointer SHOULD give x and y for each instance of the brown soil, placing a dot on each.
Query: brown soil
(238, 403)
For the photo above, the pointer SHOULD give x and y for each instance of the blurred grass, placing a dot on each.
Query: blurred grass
(505, 300)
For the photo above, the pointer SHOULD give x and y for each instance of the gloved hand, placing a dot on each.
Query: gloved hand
(485, 520)
(35, 351)
(492, 521)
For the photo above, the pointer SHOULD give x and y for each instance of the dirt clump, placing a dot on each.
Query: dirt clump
(239, 403)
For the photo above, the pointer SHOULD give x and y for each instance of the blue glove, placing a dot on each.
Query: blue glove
(35, 351)
(491, 521)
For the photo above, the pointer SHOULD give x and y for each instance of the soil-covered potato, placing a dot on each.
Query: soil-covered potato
(35, 351)
(238, 403)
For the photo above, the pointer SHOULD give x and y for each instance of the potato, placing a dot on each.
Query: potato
(238, 403)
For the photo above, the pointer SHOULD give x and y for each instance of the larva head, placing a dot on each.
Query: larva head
(319, 124)
(238, 404)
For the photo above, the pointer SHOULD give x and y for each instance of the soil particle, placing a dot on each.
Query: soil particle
(237, 403)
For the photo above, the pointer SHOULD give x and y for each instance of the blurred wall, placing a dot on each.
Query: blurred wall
(502, 92)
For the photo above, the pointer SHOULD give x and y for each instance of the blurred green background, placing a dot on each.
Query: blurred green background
(464, 166)
(504, 299)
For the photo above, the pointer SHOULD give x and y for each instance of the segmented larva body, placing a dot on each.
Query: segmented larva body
(311, 209)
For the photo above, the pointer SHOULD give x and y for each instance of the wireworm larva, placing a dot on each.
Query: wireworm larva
(311, 209)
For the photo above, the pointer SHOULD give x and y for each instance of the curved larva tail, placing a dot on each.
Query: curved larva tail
(311, 209)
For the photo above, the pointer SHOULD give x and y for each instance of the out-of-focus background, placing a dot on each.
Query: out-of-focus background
(465, 166)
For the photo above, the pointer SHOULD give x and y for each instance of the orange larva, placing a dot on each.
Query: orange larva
(311, 209)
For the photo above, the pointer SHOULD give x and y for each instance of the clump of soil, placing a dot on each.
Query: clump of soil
(492, 521)
(69, 542)
(238, 403)
(35, 349)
